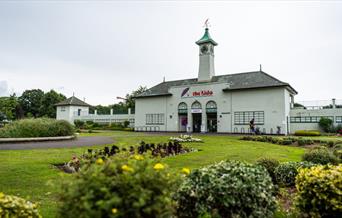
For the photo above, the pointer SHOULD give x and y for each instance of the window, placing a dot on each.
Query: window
(62, 108)
(211, 107)
(154, 119)
(182, 108)
(308, 119)
(196, 105)
(244, 117)
(338, 119)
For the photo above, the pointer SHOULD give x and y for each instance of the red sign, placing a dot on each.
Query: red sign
(202, 93)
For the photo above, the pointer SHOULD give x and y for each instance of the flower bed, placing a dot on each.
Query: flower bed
(185, 138)
(154, 150)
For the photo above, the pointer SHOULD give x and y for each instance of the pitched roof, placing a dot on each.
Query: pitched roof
(73, 101)
(206, 38)
(239, 81)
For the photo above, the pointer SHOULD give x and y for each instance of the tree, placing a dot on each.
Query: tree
(8, 107)
(130, 101)
(49, 100)
(326, 124)
(31, 101)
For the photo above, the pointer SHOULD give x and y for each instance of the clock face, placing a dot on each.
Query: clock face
(204, 49)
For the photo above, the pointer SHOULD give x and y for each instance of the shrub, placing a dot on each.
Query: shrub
(307, 133)
(319, 191)
(286, 172)
(79, 124)
(119, 187)
(270, 165)
(12, 206)
(227, 189)
(320, 156)
(302, 142)
(41, 127)
(326, 124)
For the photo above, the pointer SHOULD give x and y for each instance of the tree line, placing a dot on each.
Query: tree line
(35, 103)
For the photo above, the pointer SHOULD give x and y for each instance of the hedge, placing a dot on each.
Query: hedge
(41, 127)
(307, 133)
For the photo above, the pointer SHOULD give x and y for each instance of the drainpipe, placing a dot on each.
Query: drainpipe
(333, 103)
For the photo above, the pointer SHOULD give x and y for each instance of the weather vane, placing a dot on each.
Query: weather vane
(206, 23)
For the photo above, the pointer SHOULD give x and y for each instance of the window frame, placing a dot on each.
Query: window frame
(244, 117)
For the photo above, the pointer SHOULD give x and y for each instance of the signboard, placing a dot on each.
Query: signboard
(196, 110)
(186, 93)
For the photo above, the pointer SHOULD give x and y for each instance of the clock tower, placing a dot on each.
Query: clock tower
(206, 57)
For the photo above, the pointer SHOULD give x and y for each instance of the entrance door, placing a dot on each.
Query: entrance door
(196, 122)
(183, 122)
(212, 122)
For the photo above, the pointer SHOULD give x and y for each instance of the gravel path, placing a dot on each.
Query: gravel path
(78, 142)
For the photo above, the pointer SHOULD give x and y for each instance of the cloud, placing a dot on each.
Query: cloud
(4, 88)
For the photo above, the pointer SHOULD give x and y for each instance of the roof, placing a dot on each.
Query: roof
(206, 38)
(238, 81)
(72, 101)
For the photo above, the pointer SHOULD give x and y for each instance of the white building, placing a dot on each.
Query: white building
(209, 103)
(73, 109)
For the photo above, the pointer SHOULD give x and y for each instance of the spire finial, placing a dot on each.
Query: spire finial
(73, 94)
(206, 23)
(260, 69)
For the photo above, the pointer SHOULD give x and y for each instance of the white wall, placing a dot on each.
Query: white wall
(70, 111)
(273, 101)
(297, 112)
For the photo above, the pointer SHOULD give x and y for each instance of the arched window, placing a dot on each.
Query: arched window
(211, 107)
(182, 108)
(196, 105)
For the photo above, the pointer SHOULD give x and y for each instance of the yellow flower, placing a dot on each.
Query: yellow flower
(114, 210)
(138, 157)
(186, 171)
(158, 166)
(127, 168)
(99, 161)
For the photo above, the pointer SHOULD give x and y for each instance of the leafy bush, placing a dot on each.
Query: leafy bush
(320, 155)
(12, 206)
(307, 133)
(270, 165)
(119, 187)
(326, 124)
(79, 124)
(42, 127)
(227, 189)
(286, 172)
(319, 191)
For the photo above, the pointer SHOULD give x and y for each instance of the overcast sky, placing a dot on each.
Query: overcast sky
(103, 49)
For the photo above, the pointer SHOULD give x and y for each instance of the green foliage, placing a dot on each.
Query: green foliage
(319, 191)
(303, 141)
(31, 101)
(12, 206)
(307, 133)
(270, 164)
(40, 127)
(48, 102)
(119, 187)
(286, 172)
(320, 155)
(227, 189)
(79, 123)
(8, 107)
(326, 124)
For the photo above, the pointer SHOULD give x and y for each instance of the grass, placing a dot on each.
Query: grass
(30, 174)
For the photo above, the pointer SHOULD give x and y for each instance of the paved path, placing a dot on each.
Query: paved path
(78, 142)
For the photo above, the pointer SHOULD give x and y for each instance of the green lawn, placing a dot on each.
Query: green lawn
(29, 173)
